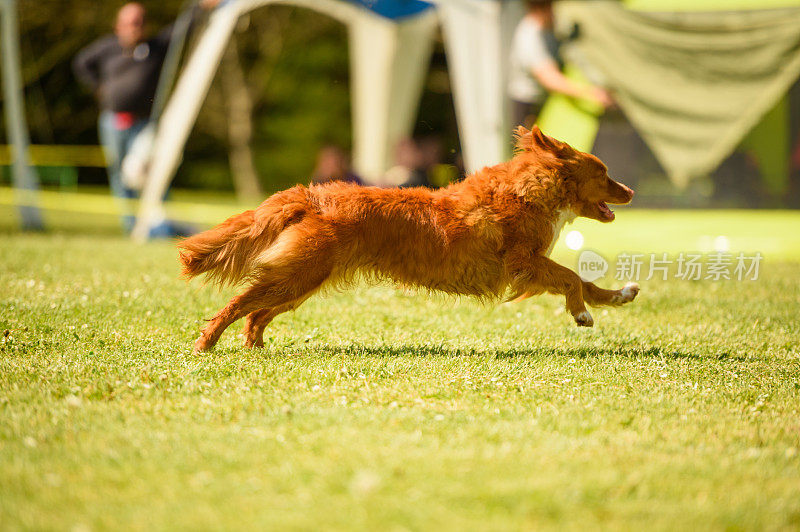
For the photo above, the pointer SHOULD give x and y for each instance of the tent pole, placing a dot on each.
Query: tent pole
(180, 114)
(478, 74)
(388, 64)
(26, 181)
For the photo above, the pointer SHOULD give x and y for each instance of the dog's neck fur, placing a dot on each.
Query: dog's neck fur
(565, 216)
(539, 183)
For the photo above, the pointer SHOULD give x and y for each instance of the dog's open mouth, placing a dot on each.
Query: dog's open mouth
(605, 211)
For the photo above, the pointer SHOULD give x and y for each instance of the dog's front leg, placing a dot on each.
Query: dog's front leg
(536, 274)
(596, 296)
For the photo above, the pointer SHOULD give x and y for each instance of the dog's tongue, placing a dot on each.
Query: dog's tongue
(608, 213)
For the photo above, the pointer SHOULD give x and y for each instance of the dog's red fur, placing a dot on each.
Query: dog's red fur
(488, 236)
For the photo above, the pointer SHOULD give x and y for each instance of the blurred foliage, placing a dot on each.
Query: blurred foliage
(296, 67)
(295, 63)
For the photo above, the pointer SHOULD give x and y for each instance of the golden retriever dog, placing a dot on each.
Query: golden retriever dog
(488, 236)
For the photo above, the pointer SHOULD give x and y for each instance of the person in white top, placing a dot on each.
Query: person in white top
(534, 68)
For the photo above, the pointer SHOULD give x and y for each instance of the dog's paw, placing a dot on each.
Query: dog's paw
(201, 345)
(627, 294)
(251, 343)
(584, 319)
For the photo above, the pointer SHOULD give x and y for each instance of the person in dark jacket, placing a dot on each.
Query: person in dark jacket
(122, 69)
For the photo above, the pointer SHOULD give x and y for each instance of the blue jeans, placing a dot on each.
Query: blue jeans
(116, 144)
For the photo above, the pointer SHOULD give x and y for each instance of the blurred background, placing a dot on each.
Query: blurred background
(286, 72)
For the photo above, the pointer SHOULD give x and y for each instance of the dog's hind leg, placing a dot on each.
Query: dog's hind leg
(295, 266)
(239, 306)
(257, 321)
(275, 291)
(254, 326)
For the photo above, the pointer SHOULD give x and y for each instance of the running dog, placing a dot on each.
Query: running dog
(488, 236)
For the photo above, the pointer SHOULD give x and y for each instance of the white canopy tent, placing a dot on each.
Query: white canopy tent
(389, 56)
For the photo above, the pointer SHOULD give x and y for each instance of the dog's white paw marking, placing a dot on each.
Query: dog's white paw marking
(629, 292)
(584, 319)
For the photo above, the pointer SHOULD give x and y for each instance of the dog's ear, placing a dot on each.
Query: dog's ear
(540, 138)
(522, 139)
(548, 143)
(535, 139)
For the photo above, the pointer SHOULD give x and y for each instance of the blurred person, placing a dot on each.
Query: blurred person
(534, 67)
(407, 170)
(122, 69)
(415, 162)
(430, 151)
(333, 164)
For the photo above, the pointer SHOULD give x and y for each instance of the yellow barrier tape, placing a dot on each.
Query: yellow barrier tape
(58, 155)
(81, 202)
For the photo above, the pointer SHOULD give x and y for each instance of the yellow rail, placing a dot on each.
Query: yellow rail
(58, 155)
(199, 213)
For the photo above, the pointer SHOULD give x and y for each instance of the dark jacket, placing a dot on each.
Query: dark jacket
(125, 80)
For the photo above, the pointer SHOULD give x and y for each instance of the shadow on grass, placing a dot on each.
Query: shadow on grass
(632, 352)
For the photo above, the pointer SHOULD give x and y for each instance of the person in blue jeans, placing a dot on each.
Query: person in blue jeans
(116, 139)
(122, 70)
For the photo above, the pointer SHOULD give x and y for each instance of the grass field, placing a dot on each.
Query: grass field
(380, 409)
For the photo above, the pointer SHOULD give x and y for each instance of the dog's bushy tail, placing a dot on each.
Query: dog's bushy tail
(227, 253)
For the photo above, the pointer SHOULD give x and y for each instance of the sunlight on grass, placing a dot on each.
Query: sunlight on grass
(378, 408)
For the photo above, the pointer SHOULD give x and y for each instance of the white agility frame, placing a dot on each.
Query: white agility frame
(389, 60)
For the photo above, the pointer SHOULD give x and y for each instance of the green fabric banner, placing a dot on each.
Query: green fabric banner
(693, 84)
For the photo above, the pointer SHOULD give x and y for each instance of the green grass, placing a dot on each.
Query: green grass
(379, 409)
